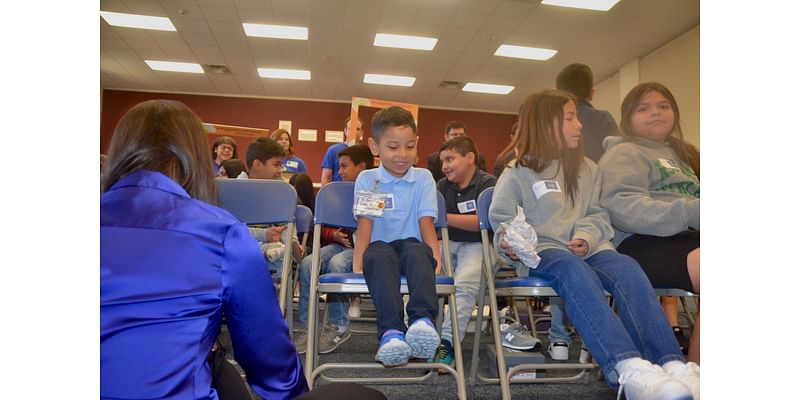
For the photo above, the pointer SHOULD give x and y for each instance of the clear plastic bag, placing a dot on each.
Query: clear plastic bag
(522, 239)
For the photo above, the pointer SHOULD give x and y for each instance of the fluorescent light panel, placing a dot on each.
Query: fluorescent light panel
(171, 66)
(405, 42)
(299, 74)
(528, 53)
(394, 80)
(276, 31)
(487, 88)
(596, 5)
(138, 21)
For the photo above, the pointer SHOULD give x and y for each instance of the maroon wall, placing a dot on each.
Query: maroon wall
(490, 131)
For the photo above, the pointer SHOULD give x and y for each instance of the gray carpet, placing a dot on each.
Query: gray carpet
(361, 347)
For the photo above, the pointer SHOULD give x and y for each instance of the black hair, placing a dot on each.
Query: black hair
(389, 117)
(359, 153)
(576, 79)
(262, 149)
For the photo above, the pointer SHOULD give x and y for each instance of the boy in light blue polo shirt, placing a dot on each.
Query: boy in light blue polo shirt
(396, 209)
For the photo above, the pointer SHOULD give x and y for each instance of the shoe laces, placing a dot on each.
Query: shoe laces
(643, 374)
(515, 329)
(441, 353)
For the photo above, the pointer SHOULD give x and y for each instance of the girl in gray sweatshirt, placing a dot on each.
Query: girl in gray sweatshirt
(651, 189)
(558, 189)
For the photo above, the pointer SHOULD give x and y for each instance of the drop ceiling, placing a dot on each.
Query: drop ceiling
(339, 50)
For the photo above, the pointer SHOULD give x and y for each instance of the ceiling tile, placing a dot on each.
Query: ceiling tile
(199, 38)
(226, 14)
(226, 28)
(184, 25)
(146, 7)
(513, 8)
(188, 10)
(479, 6)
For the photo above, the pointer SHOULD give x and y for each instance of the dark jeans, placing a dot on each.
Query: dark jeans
(383, 265)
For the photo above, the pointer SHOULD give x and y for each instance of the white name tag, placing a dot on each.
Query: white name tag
(292, 164)
(467, 206)
(668, 164)
(543, 187)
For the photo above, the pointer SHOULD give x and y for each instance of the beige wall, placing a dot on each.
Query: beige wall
(676, 65)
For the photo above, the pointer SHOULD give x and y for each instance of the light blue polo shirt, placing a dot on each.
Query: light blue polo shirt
(414, 198)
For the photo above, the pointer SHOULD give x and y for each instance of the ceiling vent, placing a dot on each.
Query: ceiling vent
(451, 85)
(217, 69)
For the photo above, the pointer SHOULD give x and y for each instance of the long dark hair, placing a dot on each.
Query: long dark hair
(540, 140)
(163, 136)
(675, 138)
(305, 189)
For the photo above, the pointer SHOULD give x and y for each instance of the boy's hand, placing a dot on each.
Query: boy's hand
(579, 247)
(341, 237)
(297, 251)
(274, 233)
(507, 249)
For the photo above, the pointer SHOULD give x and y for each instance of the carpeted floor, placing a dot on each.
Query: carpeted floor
(361, 347)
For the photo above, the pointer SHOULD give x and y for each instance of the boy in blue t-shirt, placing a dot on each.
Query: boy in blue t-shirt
(396, 209)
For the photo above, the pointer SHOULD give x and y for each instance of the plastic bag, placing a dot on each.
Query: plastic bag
(522, 239)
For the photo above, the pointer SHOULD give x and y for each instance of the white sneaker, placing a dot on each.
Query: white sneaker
(688, 374)
(355, 308)
(585, 356)
(558, 351)
(642, 380)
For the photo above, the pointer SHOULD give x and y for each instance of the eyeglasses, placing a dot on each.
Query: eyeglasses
(225, 147)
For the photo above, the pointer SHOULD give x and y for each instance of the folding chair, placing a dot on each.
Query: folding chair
(334, 207)
(304, 221)
(514, 287)
(260, 201)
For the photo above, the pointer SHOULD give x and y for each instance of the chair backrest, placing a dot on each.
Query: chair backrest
(334, 206)
(303, 219)
(484, 201)
(258, 201)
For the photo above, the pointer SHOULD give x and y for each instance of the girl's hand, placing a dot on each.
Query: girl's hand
(341, 237)
(507, 249)
(579, 247)
(274, 233)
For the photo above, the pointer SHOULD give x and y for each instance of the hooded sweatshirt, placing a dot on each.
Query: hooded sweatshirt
(647, 189)
(548, 208)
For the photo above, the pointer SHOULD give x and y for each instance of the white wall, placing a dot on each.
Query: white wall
(676, 65)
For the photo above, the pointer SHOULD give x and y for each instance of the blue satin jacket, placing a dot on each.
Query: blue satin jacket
(169, 266)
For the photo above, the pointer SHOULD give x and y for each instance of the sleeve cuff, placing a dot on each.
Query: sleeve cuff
(590, 241)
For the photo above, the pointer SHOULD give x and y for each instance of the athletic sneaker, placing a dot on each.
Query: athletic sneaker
(423, 339)
(642, 380)
(300, 341)
(688, 374)
(354, 311)
(559, 351)
(682, 341)
(585, 356)
(517, 337)
(394, 351)
(332, 338)
(444, 354)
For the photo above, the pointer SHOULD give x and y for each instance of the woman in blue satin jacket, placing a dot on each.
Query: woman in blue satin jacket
(171, 262)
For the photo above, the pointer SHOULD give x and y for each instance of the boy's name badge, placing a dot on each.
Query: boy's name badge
(372, 204)
(668, 164)
(541, 188)
(467, 206)
(292, 164)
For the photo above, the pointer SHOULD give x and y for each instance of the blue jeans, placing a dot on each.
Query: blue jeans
(333, 258)
(640, 330)
(467, 258)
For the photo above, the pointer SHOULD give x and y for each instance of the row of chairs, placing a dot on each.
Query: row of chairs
(245, 199)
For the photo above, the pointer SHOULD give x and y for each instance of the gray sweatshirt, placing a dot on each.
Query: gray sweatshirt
(647, 189)
(548, 209)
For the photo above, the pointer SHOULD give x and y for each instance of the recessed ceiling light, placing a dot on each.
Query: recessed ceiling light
(596, 5)
(487, 88)
(405, 42)
(394, 80)
(299, 74)
(138, 21)
(171, 66)
(276, 31)
(528, 53)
